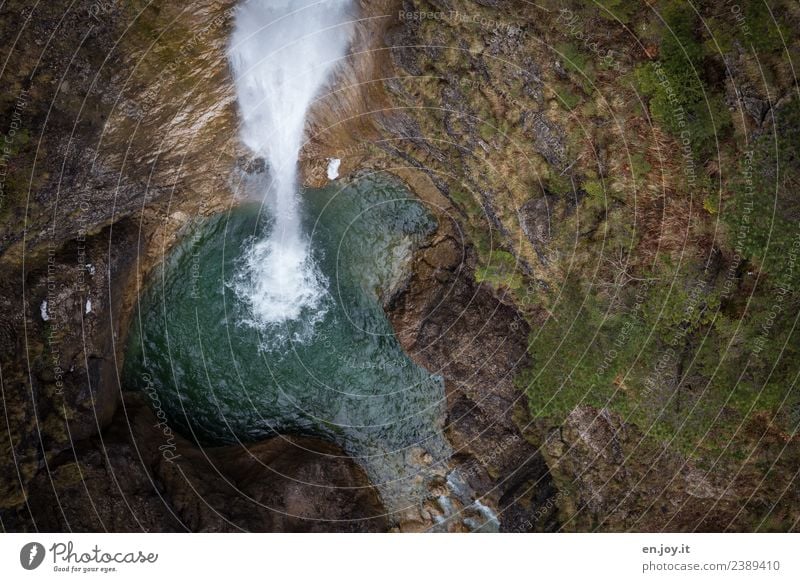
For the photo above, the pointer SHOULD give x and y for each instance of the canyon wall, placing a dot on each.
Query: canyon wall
(524, 130)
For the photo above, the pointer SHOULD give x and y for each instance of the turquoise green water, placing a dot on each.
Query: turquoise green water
(338, 373)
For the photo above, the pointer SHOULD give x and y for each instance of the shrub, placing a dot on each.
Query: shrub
(679, 101)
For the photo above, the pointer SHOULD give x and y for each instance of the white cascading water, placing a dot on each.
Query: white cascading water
(282, 53)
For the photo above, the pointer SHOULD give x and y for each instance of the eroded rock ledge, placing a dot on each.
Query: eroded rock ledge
(140, 476)
(461, 330)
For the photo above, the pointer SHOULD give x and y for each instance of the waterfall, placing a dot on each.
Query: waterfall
(282, 53)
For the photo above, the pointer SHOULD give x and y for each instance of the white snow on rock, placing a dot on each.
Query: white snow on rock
(88, 306)
(43, 310)
(333, 168)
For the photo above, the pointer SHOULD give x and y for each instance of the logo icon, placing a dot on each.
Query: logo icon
(31, 555)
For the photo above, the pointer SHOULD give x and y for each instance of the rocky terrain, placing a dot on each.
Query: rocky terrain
(573, 211)
(583, 234)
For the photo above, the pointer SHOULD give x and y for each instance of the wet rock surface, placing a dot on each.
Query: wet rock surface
(461, 330)
(137, 142)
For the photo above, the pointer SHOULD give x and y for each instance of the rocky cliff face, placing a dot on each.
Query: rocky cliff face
(139, 476)
(525, 129)
(522, 128)
(124, 133)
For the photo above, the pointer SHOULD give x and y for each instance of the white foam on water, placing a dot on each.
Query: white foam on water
(281, 284)
(282, 54)
(492, 522)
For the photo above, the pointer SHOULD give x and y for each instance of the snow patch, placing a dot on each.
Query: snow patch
(43, 310)
(88, 306)
(333, 168)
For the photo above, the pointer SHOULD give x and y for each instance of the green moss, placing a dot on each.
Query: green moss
(639, 168)
(558, 183)
(575, 361)
(67, 475)
(594, 188)
(566, 98)
(580, 65)
(467, 202)
(622, 10)
(666, 357)
(500, 270)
